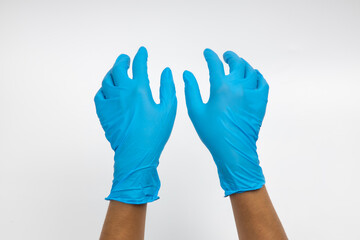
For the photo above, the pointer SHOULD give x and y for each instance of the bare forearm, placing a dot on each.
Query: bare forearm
(124, 222)
(255, 216)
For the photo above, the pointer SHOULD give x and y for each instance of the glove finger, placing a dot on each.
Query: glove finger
(119, 72)
(216, 67)
(250, 81)
(167, 88)
(139, 67)
(99, 96)
(248, 68)
(250, 76)
(193, 99)
(108, 88)
(262, 85)
(239, 68)
(237, 65)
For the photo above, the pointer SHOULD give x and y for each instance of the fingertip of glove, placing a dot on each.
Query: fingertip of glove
(142, 52)
(122, 58)
(207, 52)
(166, 73)
(186, 75)
(227, 55)
(142, 48)
(167, 70)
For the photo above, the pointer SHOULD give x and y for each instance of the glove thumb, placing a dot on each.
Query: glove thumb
(167, 88)
(194, 102)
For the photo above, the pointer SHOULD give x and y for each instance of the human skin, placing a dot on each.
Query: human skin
(124, 222)
(255, 216)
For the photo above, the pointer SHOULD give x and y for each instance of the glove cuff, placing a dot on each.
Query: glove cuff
(139, 187)
(241, 177)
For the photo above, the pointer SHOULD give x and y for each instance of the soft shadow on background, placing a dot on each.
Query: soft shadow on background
(56, 165)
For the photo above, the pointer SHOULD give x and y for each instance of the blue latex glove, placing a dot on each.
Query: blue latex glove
(229, 123)
(136, 127)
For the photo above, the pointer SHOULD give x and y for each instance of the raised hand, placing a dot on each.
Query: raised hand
(229, 123)
(136, 127)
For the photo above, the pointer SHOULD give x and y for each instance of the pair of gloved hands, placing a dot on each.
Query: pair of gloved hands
(138, 128)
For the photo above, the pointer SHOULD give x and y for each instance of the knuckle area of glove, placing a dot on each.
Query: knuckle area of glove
(229, 90)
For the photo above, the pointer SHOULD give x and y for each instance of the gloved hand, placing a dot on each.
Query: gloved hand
(136, 127)
(229, 123)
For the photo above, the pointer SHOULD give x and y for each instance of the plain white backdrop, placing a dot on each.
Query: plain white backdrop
(56, 165)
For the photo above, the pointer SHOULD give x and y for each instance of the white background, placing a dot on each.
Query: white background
(56, 165)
